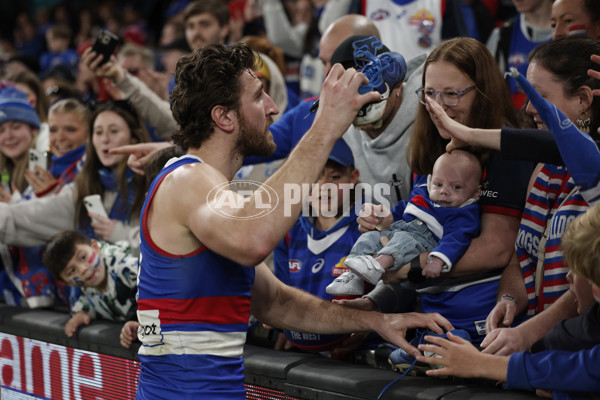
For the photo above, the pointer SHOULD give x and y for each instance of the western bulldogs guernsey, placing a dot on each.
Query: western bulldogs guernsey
(193, 311)
(453, 227)
(553, 203)
(410, 27)
(520, 47)
(309, 259)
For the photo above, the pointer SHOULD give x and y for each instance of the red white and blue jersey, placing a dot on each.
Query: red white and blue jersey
(309, 259)
(410, 27)
(520, 47)
(453, 227)
(193, 311)
(553, 203)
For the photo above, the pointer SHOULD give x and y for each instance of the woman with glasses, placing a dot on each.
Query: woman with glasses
(113, 124)
(462, 76)
(537, 277)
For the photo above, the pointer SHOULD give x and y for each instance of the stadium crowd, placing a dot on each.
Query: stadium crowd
(96, 140)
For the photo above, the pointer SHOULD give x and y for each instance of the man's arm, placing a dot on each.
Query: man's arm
(234, 232)
(286, 307)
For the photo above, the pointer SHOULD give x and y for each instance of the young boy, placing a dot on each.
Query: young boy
(441, 217)
(313, 251)
(565, 373)
(105, 272)
(58, 38)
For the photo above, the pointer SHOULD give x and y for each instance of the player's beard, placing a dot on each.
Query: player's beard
(254, 141)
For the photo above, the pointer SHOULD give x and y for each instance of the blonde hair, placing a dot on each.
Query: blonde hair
(581, 245)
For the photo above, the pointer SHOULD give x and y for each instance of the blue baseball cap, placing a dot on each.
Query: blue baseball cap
(342, 154)
(14, 106)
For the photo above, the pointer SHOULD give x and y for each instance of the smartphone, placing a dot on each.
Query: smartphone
(105, 44)
(37, 157)
(6, 182)
(93, 204)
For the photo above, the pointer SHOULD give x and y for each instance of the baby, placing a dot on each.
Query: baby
(441, 216)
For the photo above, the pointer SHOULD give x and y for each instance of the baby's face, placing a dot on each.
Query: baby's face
(452, 185)
(85, 268)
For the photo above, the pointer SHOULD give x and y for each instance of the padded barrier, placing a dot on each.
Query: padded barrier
(291, 375)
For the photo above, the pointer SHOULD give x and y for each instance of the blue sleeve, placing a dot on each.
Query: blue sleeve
(582, 159)
(460, 227)
(579, 152)
(557, 371)
(281, 260)
(287, 132)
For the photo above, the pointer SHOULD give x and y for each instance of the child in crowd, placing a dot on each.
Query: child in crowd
(106, 274)
(566, 373)
(441, 216)
(314, 249)
(58, 38)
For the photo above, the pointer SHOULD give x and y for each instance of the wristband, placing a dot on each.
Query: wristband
(507, 297)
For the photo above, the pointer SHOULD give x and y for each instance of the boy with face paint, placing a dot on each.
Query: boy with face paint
(105, 272)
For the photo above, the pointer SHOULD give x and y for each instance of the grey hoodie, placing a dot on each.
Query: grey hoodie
(383, 159)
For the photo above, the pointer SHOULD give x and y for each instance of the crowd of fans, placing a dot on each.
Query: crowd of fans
(64, 109)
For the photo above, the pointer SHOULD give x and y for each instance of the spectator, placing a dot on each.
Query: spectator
(206, 22)
(415, 27)
(24, 281)
(29, 83)
(19, 125)
(106, 274)
(32, 223)
(138, 61)
(441, 217)
(69, 131)
(573, 17)
(312, 252)
(512, 43)
(536, 276)
(450, 67)
(567, 374)
(58, 39)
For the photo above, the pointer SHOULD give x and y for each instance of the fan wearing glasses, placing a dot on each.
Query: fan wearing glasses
(462, 77)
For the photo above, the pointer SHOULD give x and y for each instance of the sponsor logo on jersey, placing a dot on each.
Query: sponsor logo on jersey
(380, 15)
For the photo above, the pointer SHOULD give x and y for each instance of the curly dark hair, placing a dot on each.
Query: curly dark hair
(204, 79)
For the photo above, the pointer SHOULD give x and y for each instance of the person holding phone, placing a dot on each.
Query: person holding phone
(68, 121)
(114, 123)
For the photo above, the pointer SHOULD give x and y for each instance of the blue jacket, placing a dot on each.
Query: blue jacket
(568, 375)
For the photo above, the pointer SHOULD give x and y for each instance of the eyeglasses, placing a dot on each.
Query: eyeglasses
(449, 97)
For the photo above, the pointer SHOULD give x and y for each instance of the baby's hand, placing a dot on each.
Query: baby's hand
(433, 268)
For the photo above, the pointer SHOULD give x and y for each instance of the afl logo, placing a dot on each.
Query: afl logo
(380, 15)
(295, 265)
(228, 198)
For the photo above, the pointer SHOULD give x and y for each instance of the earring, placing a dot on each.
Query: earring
(583, 121)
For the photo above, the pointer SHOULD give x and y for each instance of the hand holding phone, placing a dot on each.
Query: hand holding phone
(105, 44)
(37, 157)
(93, 204)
